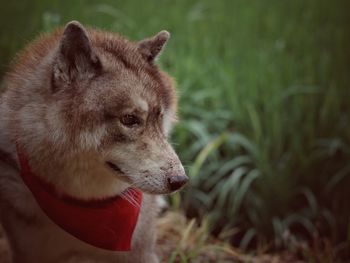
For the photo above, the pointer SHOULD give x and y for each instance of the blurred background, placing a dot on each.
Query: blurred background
(264, 110)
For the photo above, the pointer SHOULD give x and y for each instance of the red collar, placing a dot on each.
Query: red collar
(107, 223)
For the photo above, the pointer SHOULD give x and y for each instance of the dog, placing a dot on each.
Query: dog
(84, 122)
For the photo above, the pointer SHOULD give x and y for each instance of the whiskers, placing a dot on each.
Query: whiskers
(129, 194)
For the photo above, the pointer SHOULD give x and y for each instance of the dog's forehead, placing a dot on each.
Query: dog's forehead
(126, 91)
(139, 100)
(128, 80)
(119, 96)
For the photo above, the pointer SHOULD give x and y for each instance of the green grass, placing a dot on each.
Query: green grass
(264, 88)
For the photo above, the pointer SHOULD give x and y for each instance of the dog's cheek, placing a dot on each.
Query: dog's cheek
(92, 139)
(56, 126)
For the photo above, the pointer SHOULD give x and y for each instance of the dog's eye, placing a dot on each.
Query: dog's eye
(130, 120)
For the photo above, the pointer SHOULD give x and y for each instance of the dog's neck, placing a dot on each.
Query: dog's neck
(106, 223)
(6, 158)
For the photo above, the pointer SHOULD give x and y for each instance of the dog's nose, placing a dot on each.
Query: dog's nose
(177, 181)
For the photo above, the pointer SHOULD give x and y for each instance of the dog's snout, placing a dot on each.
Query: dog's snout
(177, 181)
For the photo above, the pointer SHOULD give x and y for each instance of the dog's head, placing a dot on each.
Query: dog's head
(109, 108)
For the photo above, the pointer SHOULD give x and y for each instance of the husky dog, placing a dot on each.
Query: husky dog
(92, 112)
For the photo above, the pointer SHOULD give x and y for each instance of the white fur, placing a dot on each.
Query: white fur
(56, 128)
(92, 139)
(142, 104)
(168, 120)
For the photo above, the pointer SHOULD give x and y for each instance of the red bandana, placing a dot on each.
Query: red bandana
(107, 223)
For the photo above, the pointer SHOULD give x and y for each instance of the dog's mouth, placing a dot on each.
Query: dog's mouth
(115, 167)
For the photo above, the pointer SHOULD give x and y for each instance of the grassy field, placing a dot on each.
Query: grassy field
(264, 105)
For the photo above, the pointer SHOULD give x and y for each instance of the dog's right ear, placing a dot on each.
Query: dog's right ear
(75, 59)
(151, 47)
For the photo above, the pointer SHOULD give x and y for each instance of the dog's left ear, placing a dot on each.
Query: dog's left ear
(75, 59)
(150, 48)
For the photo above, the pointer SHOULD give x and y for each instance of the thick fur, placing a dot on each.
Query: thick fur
(78, 101)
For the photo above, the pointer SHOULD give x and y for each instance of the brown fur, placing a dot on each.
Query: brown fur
(67, 102)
